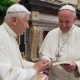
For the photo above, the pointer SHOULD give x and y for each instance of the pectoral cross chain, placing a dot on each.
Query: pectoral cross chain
(57, 56)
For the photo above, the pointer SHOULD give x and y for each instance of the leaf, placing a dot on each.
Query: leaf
(4, 4)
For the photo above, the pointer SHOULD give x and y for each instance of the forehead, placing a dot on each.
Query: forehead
(65, 14)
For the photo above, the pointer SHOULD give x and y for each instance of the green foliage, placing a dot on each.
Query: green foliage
(4, 4)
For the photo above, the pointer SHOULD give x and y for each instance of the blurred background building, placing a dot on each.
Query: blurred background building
(43, 19)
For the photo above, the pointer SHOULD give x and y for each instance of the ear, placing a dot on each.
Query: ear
(14, 20)
(75, 18)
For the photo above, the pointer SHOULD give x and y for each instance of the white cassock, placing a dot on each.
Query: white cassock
(11, 62)
(68, 46)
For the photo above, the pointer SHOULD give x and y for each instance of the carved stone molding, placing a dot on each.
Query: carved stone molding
(42, 23)
(44, 17)
(41, 6)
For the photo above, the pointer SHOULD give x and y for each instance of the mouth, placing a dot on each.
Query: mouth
(64, 29)
(25, 29)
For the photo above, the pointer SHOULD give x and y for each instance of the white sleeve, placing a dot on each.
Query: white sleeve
(45, 57)
(45, 51)
(28, 64)
(10, 72)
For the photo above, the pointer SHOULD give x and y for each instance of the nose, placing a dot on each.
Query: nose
(63, 25)
(27, 26)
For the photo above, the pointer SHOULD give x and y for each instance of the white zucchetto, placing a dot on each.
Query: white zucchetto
(68, 7)
(17, 8)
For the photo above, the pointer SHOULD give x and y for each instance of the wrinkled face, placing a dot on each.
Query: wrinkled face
(20, 24)
(66, 20)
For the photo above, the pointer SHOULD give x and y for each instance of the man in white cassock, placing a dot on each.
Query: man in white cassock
(63, 44)
(12, 66)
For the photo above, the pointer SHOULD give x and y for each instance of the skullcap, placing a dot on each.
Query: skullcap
(17, 8)
(68, 7)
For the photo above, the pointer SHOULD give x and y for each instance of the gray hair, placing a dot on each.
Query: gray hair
(74, 14)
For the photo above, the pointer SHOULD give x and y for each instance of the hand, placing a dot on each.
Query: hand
(69, 67)
(42, 65)
(46, 78)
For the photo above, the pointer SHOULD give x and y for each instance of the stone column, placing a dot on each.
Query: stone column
(34, 37)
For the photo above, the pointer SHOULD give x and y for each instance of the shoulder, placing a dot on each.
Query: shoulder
(53, 32)
(76, 28)
(1, 28)
(3, 31)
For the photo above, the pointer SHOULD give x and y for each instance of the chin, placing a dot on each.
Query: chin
(20, 33)
(64, 31)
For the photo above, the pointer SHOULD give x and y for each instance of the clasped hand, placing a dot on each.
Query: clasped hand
(42, 65)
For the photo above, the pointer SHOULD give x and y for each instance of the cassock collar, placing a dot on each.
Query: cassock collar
(9, 30)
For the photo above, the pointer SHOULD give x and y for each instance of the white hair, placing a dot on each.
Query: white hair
(16, 10)
(74, 14)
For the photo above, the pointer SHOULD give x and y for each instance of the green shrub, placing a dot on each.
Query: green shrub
(4, 4)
